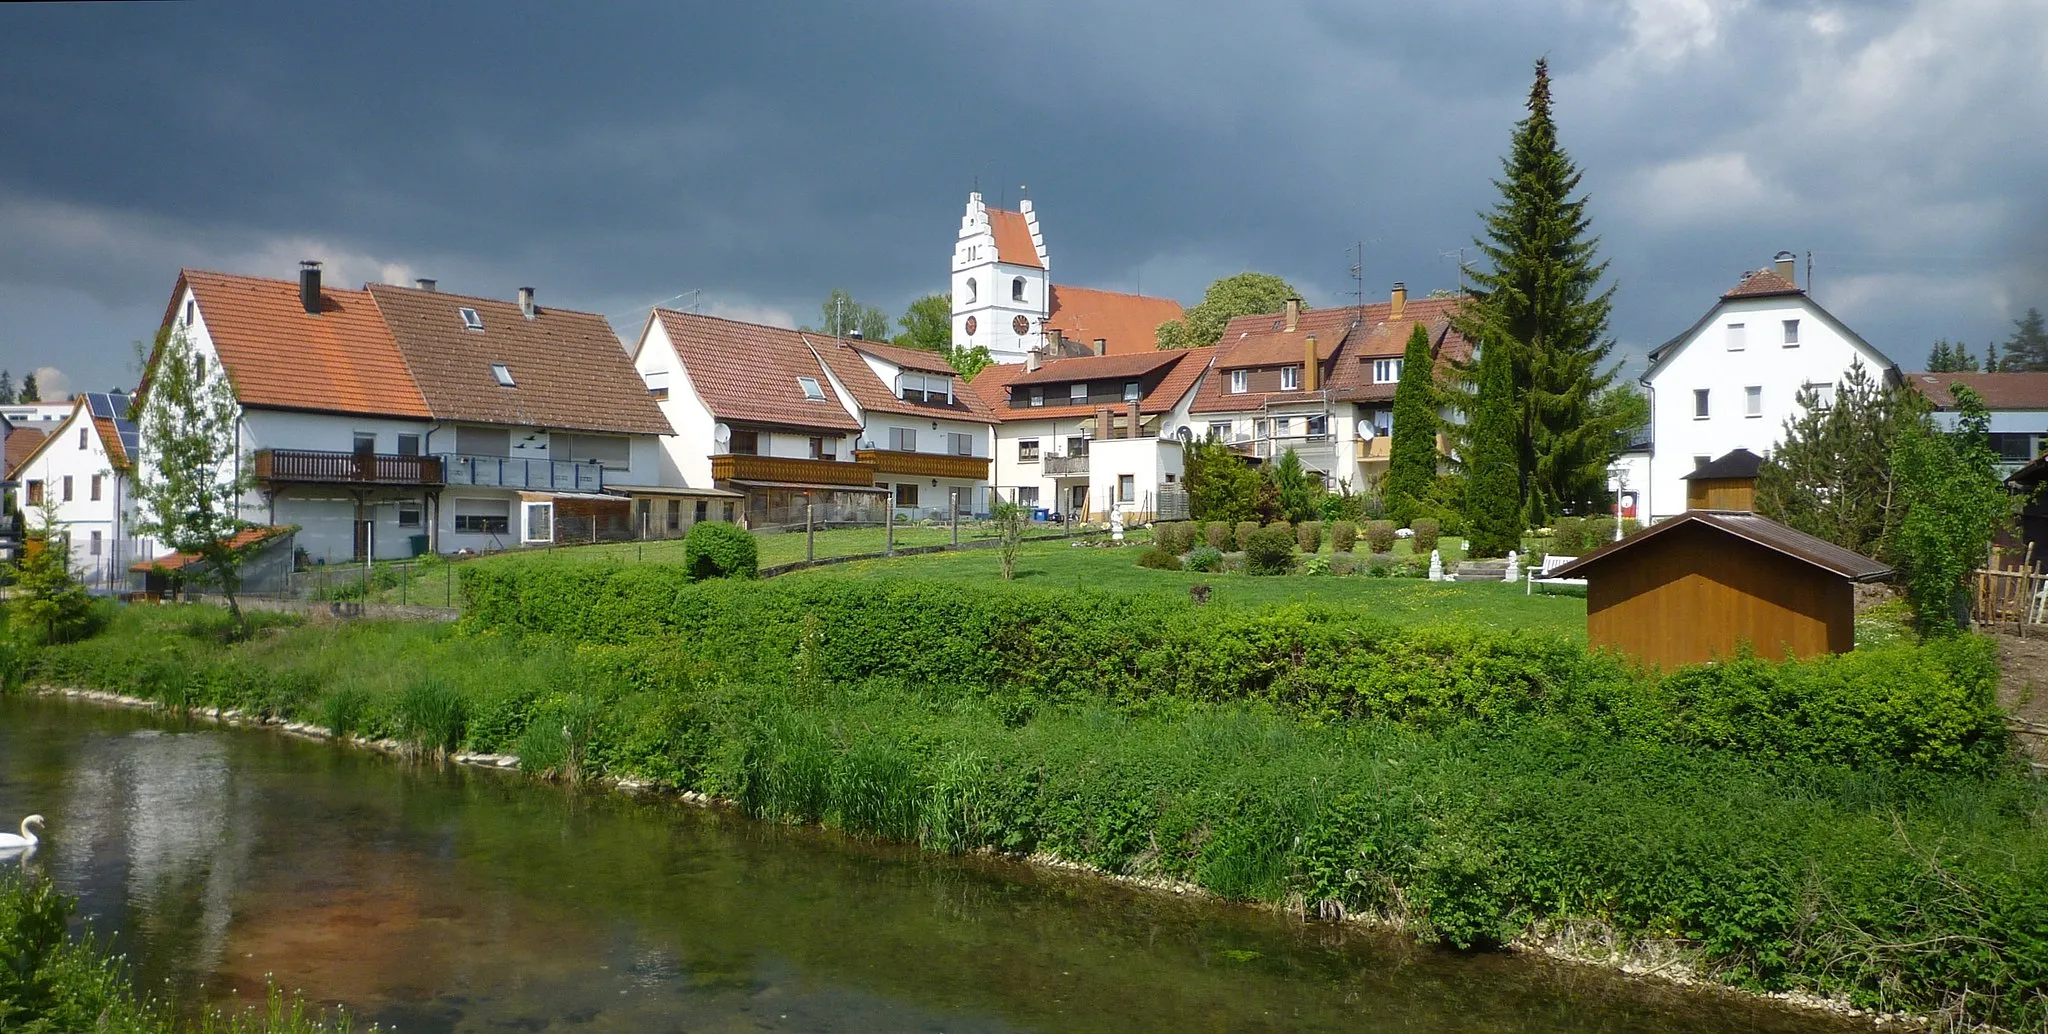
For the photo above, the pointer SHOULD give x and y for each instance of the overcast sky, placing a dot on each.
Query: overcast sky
(758, 155)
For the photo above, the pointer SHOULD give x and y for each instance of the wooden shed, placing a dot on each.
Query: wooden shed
(1728, 483)
(1698, 586)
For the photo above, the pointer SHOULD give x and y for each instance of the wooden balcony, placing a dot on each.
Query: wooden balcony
(792, 470)
(308, 466)
(1380, 448)
(925, 464)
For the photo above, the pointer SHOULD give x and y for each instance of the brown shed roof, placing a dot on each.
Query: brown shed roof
(1126, 323)
(1013, 238)
(1749, 527)
(746, 372)
(1740, 463)
(568, 369)
(1998, 390)
(277, 355)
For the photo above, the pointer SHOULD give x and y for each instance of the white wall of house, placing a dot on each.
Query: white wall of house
(1126, 473)
(1751, 375)
(94, 503)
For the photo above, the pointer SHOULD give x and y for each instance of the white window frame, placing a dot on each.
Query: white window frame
(813, 391)
(1753, 402)
(502, 373)
(1738, 336)
(1131, 391)
(1240, 382)
(471, 320)
(1038, 396)
(1386, 371)
(1027, 450)
(1221, 430)
(527, 512)
(1077, 393)
(1791, 328)
(1290, 378)
(1824, 392)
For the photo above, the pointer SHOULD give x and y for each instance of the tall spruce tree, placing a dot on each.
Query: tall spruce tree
(1493, 510)
(1542, 304)
(6, 388)
(29, 391)
(1411, 462)
(2027, 350)
(1992, 364)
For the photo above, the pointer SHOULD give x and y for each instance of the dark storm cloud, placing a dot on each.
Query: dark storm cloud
(762, 154)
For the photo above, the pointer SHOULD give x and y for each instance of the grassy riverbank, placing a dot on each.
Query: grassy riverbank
(52, 983)
(1471, 818)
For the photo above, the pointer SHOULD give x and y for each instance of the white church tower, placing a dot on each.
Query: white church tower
(1000, 297)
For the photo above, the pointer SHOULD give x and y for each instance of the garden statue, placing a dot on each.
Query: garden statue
(1116, 525)
(1436, 566)
(1514, 571)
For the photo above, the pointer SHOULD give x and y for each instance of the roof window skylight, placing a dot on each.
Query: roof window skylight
(470, 319)
(502, 374)
(811, 388)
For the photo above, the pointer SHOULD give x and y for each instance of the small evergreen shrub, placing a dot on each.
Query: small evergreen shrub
(716, 549)
(1343, 535)
(1206, 559)
(1379, 536)
(1426, 531)
(1218, 535)
(1270, 550)
(1159, 559)
(1242, 536)
(1309, 536)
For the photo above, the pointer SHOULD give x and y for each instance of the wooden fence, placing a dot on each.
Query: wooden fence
(2019, 596)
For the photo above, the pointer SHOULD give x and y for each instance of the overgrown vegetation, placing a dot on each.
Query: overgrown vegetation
(1952, 502)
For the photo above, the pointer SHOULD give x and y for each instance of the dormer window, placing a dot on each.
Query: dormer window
(501, 373)
(1386, 371)
(1038, 396)
(1290, 378)
(470, 319)
(1130, 391)
(1077, 393)
(813, 391)
(1017, 289)
(1239, 382)
(924, 387)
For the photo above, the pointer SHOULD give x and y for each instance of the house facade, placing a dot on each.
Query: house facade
(2017, 404)
(391, 421)
(1321, 382)
(1090, 435)
(1732, 380)
(928, 436)
(84, 469)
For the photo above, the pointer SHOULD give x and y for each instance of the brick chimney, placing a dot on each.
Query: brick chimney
(1101, 346)
(1105, 422)
(1132, 430)
(1310, 365)
(1293, 315)
(1398, 303)
(1787, 265)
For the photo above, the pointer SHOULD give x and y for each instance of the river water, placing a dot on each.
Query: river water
(451, 899)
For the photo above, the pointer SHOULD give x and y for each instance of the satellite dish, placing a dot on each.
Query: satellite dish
(1185, 434)
(1366, 432)
(721, 433)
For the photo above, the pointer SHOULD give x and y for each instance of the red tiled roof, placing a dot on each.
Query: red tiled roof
(342, 360)
(242, 540)
(1762, 283)
(993, 383)
(875, 396)
(746, 372)
(908, 358)
(1998, 390)
(1013, 238)
(1127, 323)
(1098, 367)
(1347, 347)
(1187, 365)
(21, 443)
(110, 439)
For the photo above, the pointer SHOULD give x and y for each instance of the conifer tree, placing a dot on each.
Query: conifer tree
(1411, 463)
(29, 391)
(1493, 509)
(1542, 305)
(2027, 349)
(1992, 364)
(6, 388)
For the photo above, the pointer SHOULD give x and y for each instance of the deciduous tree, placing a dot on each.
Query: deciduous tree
(928, 324)
(1412, 462)
(1242, 294)
(189, 483)
(844, 317)
(1951, 501)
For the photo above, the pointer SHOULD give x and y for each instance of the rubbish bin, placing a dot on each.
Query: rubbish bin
(1038, 514)
(419, 544)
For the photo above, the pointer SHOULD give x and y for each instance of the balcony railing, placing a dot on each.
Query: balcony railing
(1060, 466)
(1381, 447)
(505, 472)
(925, 464)
(791, 470)
(346, 468)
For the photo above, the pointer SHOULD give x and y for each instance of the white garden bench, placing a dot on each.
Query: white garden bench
(1541, 575)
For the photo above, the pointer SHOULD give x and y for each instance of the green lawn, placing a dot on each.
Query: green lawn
(1406, 600)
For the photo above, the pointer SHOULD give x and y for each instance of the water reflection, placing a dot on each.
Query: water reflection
(466, 901)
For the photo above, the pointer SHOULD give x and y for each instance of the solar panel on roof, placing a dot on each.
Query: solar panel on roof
(99, 403)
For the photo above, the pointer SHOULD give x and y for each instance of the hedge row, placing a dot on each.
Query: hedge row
(1928, 707)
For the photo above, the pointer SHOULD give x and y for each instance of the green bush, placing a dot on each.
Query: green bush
(1159, 559)
(1242, 535)
(1568, 536)
(1270, 550)
(1343, 535)
(1426, 530)
(1379, 566)
(716, 549)
(1205, 559)
(1175, 537)
(1316, 564)
(1343, 563)
(1379, 536)
(1309, 536)
(1218, 535)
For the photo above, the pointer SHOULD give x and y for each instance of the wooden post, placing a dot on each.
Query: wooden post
(888, 526)
(810, 530)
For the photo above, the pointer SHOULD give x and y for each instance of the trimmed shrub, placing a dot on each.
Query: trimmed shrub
(1309, 536)
(1379, 536)
(1568, 536)
(1179, 537)
(1217, 535)
(1343, 535)
(1270, 550)
(1205, 558)
(1426, 530)
(716, 549)
(1159, 559)
(1242, 536)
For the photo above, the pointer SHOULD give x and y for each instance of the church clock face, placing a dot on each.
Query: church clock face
(1020, 325)
(971, 324)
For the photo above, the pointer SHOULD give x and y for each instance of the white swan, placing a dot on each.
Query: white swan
(27, 839)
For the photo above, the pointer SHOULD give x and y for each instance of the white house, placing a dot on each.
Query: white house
(1732, 379)
(928, 436)
(390, 421)
(83, 470)
(1004, 299)
(1086, 435)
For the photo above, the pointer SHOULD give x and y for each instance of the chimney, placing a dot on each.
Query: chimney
(1031, 361)
(1056, 340)
(526, 308)
(309, 286)
(1133, 418)
(1101, 346)
(1293, 314)
(1105, 421)
(1788, 266)
(1398, 304)
(425, 283)
(1311, 366)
